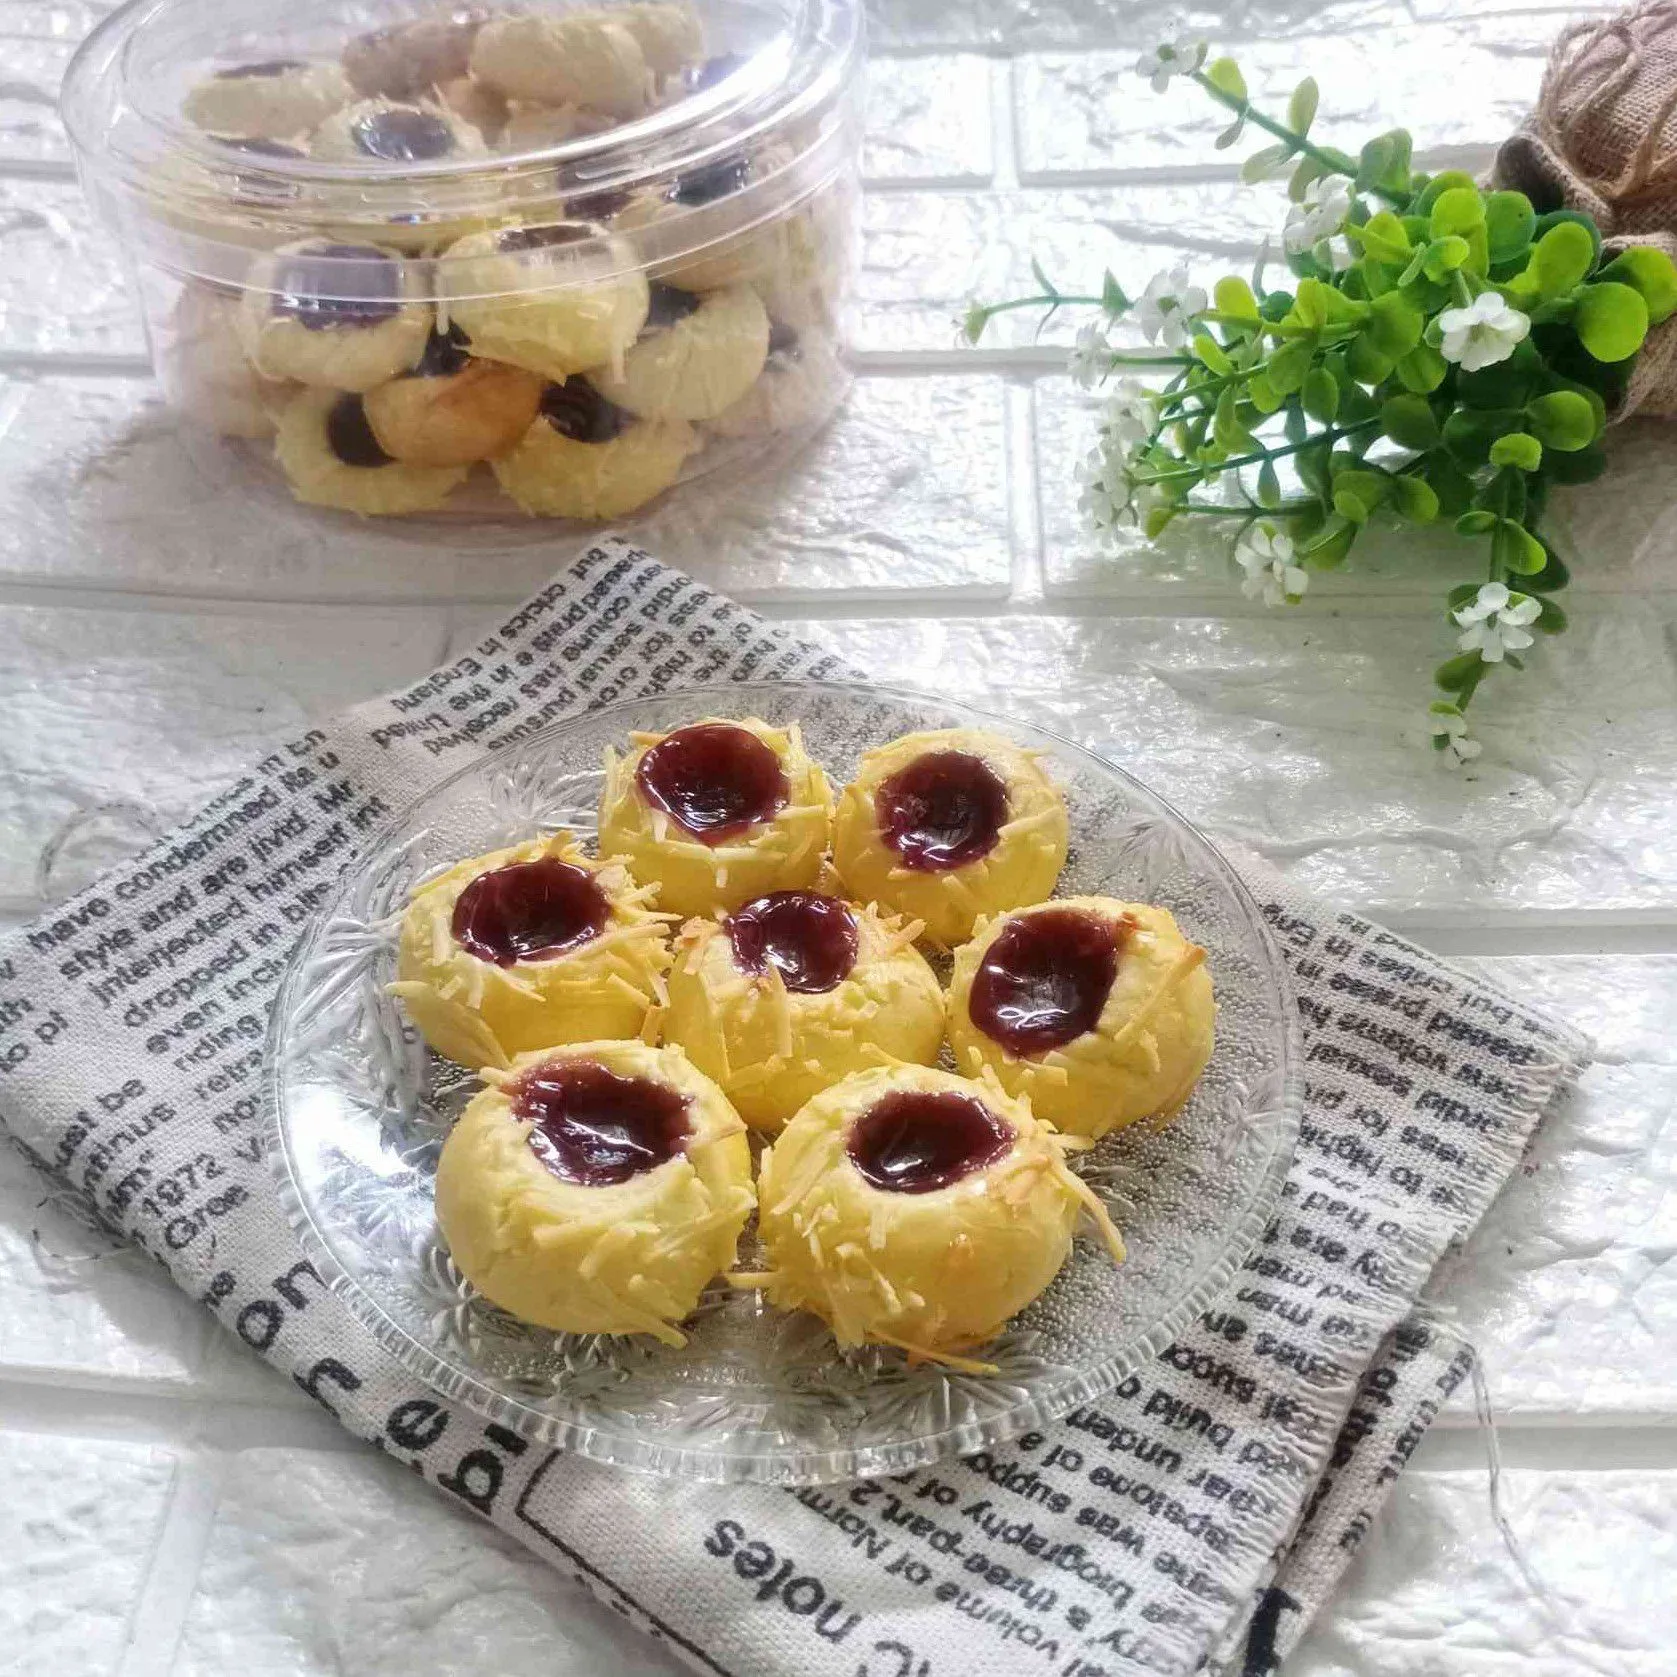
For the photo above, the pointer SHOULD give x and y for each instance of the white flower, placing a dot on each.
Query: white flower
(1175, 55)
(1266, 555)
(1165, 309)
(1451, 727)
(1321, 214)
(1091, 358)
(1495, 623)
(1340, 255)
(1128, 417)
(1483, 333)
(1104, 490)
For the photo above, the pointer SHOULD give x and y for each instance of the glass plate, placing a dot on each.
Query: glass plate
(358, 1108)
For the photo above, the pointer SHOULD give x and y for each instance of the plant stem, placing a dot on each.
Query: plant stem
(1263, 454)
(1057, 299)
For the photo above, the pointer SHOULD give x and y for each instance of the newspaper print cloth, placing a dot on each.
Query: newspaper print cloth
(1197, 1516)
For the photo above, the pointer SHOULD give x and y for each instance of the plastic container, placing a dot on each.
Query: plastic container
(478, 264)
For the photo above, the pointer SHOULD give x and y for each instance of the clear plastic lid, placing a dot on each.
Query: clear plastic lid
(208, 131)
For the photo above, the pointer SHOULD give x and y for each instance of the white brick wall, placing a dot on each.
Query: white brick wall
(172, 1510)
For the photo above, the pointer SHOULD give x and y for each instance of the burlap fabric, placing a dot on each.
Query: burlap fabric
(1603, 139)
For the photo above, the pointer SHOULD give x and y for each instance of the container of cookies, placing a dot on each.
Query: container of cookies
(495, 263)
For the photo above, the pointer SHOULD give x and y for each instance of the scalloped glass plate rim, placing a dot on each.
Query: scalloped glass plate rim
(808, 1467)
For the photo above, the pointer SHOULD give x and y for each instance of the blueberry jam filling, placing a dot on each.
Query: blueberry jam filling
(911, 1142)
(941, 811)
(265, 70)
(783, 343)
(530, 911)
(810, 939)
(714, 780)
(402, 136)
(575, 409)
(1045, 978)
(669, 304)
(592, 1127)
(542, 238)
(303, 279)
(715, 180)
(597, 206)
(350, 437)
(445, 354)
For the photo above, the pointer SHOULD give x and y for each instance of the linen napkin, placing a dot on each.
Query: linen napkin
(1198, 1515)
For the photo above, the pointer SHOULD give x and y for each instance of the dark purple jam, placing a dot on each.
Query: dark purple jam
(350, 437)
(710, 182)
(598, 206)
(910, 1142)
(575, 409)
(445, 354)
(594, 1128)
(542, 238)
(783, 343)
(1045, 978)
(530, 911)
(668, 305)
(810, 939)
(402, 136)
(305, 279)
(714, 780)
(941, 811)
(265, 70)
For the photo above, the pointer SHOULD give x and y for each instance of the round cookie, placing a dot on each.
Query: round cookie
(203, 367)
(696, 356)
(297, 323)
(585, 458)
(730, 259)
(578, 58)
(453, 409)
(597, 1188)
(526, 947)
(557, 300)
(793, 992)
(273, 99)
(668, 32)
(800, 384)
(948, 827)
(409, 60)
(331, 458)
(389, 131)
(717, 813)
(1098, 1012)
(906, 1206)
(481, 106)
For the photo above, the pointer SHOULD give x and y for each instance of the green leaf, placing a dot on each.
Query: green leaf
(1650, 273)
(1113, 300)
(1455, 212)
(1518, 449)
(1301, 108)
(1231, 135)
(1313, 467)
(1383, 165)
(1510, 223)
(1555, 217)
(1612, 321)
(1366, 363)
(1320, 395)
(1551, 620)
(1516, 549)
(1452, 486)
(1262, 164)
(1462, 594)
(1264, 396)
(1289, 364)
(1394, 325)
(1456, 673)
(1414, 499)
(1159, 519)
(1561, 258)
(1563, 420)
(1211, 354)
(1443, 182)
(1553, 575)
(1409, 421)
(1308, 169)
(1233, 296)
(1232, 437)
(1508, 384)
(1444, 256)
(1327, 551)
(1356, 494)
(1583, 467)
(1475, 523)
(1269, 485)
(1469, 432)
(1225, 75)
(1044, 283)
(1422, 370)
(1383, 238)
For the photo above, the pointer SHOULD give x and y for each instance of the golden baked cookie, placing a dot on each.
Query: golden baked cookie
(1098, 1012)
(205, 371)
(596, 1188)
(414, 59)
(273, 99)
(693, 211)
(696, 356)
(557, 300)
(906, 1206)
(574, 58)
(331, 458)
(336, 315)
(453, 409)
(717, 813)
(481, 106)
(800, 384)
(585, 458)
(948, 827)
(668, 32)
(794, 991)
(527, 947)
(393, 131)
